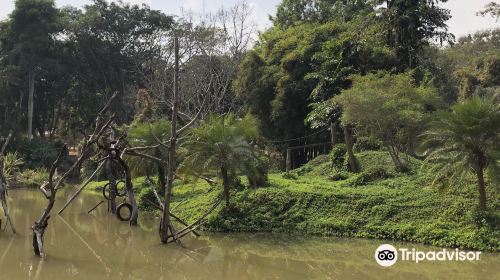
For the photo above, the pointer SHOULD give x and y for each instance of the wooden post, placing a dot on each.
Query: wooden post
(288, 159)
(165, 224)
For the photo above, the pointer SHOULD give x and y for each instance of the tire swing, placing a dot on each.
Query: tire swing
(121, 208)
(119, 192)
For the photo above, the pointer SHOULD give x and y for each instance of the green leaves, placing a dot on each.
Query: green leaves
(465, 139)
(222, 142)
(389, 108)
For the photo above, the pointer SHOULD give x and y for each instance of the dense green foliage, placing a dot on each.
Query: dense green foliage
(464, 140)
(394, 206)
(373, 74)
(389, 108)
(222, 145)
(306, 62)
(141, 134)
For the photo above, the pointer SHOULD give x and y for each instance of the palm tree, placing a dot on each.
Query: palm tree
(147, 134)
(467, 139)
(222, 144)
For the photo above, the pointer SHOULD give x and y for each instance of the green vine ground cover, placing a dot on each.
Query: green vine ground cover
(376, 203)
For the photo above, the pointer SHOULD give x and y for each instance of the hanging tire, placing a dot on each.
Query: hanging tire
(119, 192)
(119, 213)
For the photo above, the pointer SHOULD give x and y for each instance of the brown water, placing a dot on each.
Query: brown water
(98, 246)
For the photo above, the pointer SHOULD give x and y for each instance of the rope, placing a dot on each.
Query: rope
(299, 138)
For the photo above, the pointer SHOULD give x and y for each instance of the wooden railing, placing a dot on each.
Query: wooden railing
(299, 155)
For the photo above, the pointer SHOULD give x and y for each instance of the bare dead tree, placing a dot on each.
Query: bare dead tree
(3, 185)
(166, 225)
(238, 28)
(115, 151)
(50, 188)
(211, 49)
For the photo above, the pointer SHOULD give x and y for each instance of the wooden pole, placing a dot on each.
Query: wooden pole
(165, 224)
(81, 188)
(288, 159)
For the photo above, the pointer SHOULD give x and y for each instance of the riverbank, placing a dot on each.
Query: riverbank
(377, 203)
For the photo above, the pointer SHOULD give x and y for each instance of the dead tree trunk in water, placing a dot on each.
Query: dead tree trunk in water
(50, 188)
(129, 187)
(3, 186)
(166, 224)
(111, 174)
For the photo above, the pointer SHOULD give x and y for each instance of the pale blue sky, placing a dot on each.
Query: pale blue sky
(464, 19)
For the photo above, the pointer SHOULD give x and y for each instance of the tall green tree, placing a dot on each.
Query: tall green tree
(390, 108)
(293, 12)
(28, 37)
(466, 140)
(492, 9)
(293, 68)
(411, 25)
(474, 62)
(112, 45)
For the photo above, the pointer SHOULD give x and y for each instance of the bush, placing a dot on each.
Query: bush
(11, 164)
(371, 175)
(147, 200)
(367, 144)
(257, 173)
(88, 167)
(339, 176)
(338, 155)
(37, 153)
(33, 178)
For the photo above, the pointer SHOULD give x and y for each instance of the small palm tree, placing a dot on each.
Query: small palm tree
(11, 165)
(467, 139)
(222, 144)
(147, 134)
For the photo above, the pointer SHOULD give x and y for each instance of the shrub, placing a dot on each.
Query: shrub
(371, 175)
(37, 153)
(88, 167)
(339, 176)
(338, 155)
(11, 165)
(257, 172)
(33, 178)
(147, 199)
(367, 144)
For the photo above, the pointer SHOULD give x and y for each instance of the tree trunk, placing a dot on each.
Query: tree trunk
(481, 189)
(165, 224)
(225, 183)
(398, 164)
(31, 81)
(130, 191)
(333, 133)
(111, 174)
(288, 160)
(353, 163)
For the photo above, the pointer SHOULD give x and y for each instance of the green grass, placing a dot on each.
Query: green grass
(377, 203)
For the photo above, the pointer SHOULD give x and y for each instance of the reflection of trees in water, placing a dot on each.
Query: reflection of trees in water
(134, 253)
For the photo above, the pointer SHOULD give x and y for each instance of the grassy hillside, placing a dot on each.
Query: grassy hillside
(376, 203)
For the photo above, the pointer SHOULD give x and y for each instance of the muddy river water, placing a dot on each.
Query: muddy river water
(98, 246)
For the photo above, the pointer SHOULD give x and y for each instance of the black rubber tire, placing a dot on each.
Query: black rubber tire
(121, 193)
(118, 211)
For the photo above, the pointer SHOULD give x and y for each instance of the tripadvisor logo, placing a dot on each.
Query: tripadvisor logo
(387, 255)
